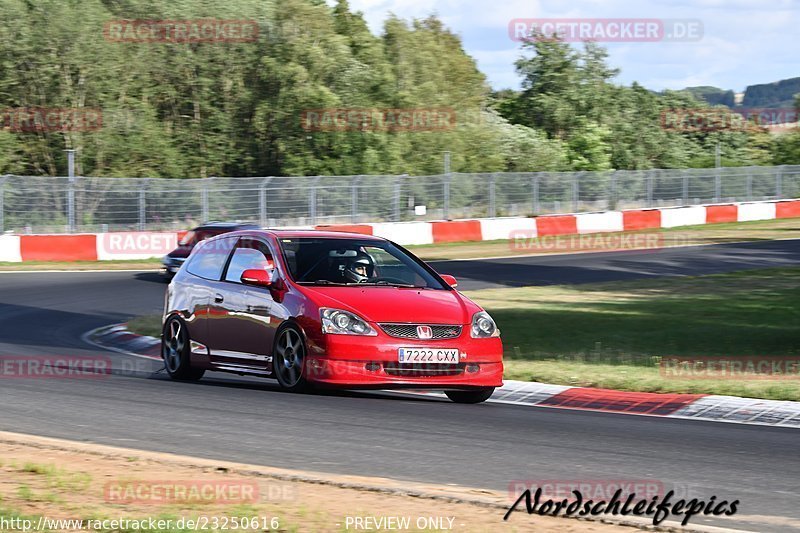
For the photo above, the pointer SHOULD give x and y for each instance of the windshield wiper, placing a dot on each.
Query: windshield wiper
(320, 282)
(390, 284)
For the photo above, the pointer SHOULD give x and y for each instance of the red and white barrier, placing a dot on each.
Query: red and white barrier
(403, 232)
(756, 211)
(600, 222)
(10, 249)
(144, 245)
(493, 229)
(673, 217)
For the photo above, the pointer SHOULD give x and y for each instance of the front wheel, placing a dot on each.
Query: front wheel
(175, 351)
(470, 396)
(289, 359)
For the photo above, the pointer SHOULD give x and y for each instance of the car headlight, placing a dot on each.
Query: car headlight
(483, 326)
(340, 322)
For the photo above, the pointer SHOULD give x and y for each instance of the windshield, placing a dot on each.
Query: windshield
(354, 262)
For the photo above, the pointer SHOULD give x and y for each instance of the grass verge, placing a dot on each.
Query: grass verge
(139, 264)
(149, 325)
(614, 335)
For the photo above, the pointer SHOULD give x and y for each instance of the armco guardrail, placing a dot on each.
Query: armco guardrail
(93, 205)
(141, 245)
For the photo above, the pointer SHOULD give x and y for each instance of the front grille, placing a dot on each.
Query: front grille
(422, 370)
(409, 331)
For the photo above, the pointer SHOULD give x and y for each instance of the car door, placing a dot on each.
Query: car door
(241, 335)
(205, 266)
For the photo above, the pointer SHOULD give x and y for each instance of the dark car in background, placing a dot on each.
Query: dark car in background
(173, 260)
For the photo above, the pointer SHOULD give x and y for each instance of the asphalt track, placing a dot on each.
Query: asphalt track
(388, 435)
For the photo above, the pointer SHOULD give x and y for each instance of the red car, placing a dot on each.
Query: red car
(327, 309)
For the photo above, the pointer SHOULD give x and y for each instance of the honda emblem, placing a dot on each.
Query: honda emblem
(424, 332)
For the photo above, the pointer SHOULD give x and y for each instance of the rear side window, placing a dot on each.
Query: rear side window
(209, 258)
(249, 254)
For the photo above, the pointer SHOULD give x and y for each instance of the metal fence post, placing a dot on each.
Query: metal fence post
(535, 186)
(749, 184)
(492, 198)
(71, 191)
(262, 202)
(779, 183)
(312, 201)
(204, 200)
(142, 204)
(650, 177)
(354, 199)
(446, 207)
(397, 192)
(685, 190)
(2, 203)
(575, 191)
(612, 191)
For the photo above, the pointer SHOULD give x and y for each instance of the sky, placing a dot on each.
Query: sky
(743, 42)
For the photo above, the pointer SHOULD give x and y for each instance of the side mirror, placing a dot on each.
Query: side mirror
(450, 280)
(256, 277)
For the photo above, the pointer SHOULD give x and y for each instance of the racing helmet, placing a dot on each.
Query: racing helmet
(360, 268)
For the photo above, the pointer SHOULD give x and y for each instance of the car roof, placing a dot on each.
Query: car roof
(227, 225)
(307, 233)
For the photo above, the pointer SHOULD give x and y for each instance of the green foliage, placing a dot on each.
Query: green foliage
(192, 110)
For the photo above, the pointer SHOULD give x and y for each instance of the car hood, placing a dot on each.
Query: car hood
(393, 304)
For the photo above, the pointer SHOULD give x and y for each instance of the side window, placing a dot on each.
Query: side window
(249, 253)
(209, 258)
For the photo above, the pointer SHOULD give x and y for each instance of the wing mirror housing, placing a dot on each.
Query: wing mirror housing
(450, 280)
(256, 277)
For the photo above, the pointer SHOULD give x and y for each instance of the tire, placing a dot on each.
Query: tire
(289, 359)
(175, 351)
(470, 396)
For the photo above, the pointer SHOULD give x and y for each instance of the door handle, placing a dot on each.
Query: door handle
(218, 298)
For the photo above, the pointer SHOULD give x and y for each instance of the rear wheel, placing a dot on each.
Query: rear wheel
(175, 351)
(470, 396)
(289, 359)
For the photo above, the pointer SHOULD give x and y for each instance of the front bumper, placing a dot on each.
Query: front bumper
(171, 266)
(372, 362)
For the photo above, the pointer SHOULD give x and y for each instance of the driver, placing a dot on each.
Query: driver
(360, 268)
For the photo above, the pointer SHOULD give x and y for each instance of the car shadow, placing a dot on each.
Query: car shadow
(154, 277)
(270, 385)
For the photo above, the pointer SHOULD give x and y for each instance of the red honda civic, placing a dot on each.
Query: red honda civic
(327, 309)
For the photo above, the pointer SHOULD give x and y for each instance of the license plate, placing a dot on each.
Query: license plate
(428, 355)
